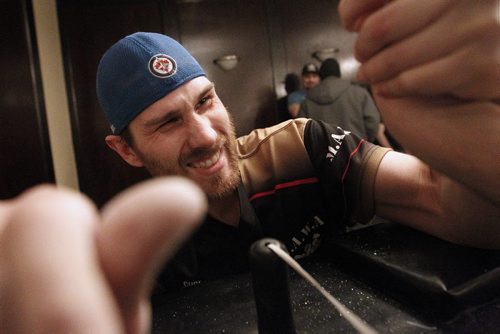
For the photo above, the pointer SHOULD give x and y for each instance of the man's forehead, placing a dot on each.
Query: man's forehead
(311, 75)
(189, 92)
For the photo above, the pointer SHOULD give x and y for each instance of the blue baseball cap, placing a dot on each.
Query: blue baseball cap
(137, 71)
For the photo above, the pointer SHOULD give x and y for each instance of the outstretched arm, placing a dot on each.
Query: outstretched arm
(411, 193)
(440, 101)
(461, 140)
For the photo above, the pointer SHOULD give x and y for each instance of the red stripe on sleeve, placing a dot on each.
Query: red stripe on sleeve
(284, 186)
(344, 173)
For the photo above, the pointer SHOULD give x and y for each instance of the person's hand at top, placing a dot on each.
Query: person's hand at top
(66, 268)
(427, 47)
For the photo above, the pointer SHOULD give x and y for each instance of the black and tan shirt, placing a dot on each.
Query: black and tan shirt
(302, 181)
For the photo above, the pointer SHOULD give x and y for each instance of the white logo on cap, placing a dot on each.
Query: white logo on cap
(162, 66)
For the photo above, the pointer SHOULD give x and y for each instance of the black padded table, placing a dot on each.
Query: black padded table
(396, 279)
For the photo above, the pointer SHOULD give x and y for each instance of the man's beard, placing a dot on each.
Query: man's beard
(215, 187)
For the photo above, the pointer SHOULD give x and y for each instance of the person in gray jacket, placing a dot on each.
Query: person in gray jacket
(341, 103)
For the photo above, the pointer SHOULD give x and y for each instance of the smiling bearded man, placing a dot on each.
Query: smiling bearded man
(300, 181)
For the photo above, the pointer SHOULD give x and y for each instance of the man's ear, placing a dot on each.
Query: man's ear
(120, 146)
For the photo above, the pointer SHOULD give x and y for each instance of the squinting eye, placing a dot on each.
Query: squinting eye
(204, 101)
(170, 121)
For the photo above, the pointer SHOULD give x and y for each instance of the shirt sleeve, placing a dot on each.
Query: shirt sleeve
(347, 166)
(296, 97)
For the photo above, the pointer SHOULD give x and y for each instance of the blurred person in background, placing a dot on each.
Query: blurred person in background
(310, 78)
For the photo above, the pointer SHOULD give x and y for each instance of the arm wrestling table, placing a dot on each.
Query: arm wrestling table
(394, 278)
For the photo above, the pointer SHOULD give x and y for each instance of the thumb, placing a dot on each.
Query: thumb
(142, 228)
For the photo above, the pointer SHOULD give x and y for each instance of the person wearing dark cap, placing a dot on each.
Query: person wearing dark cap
(339, 102)
(298, 181)
(310, 78)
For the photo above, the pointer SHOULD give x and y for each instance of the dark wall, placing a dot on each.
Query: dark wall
(210, 29)
(25, 157)
(87, 29)
(271, 37)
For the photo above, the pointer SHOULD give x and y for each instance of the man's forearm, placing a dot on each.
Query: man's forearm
(409, 192)
(459, 139)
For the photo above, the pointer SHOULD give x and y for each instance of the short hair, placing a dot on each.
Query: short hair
(292, 83)
(329, 67)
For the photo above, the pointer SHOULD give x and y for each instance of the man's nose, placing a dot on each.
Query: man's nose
(201, 134)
